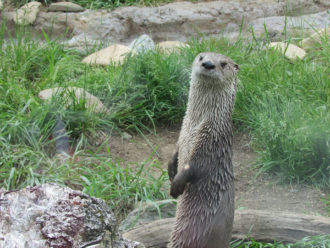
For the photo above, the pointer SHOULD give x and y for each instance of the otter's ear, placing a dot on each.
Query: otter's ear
(236, 66)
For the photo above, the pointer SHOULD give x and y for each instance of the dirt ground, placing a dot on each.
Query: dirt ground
(262, 193)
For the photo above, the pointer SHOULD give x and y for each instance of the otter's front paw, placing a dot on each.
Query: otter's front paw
(180, 181)
(177, 188)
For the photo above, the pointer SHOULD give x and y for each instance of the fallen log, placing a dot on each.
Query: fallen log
(257, 224)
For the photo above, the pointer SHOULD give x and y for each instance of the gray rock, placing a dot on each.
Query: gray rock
(175, 21)
(149, 212)
(276, 24)
(50, 215)
(1, 5)
(112, 54)
(83, 41)
(27, 14)
(65, 7)
(171, 46)
(57, 24)
(91, 102)
(142, 44)
(82, 44)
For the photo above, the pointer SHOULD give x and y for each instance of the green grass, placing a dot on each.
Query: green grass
(286, 106)
(283, 105)
(26, 150)
(322, 241)
(121, 185)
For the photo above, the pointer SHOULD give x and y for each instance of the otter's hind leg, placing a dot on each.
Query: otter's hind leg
(221, 229)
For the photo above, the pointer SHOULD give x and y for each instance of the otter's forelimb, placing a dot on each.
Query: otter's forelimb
(192, 171)
(188, 174)
(172, 166)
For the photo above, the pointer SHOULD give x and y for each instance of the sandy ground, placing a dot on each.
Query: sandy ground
(262, 192)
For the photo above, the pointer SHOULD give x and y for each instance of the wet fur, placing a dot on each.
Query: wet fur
(201, 169)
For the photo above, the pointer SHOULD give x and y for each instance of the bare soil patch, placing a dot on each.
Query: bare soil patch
(261, 193)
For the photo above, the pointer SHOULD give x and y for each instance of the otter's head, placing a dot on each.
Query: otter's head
(214, 66)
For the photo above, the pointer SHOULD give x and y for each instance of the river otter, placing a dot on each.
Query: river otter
(201, 169)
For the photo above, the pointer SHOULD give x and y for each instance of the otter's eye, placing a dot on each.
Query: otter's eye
(223, 64)
(200, 58)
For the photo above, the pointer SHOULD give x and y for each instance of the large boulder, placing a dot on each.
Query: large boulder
(277, 24)
(112, 54)
(178, 20)
(182, 20)
(27, 14)
(50, 215)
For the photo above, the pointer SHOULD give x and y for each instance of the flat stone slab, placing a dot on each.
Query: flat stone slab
(316, 38)
(277, 24)
(112, 54)
(181, 20)
(91, 102)
(65, 7)
(27, 14)
(171, 46)
(292, 52)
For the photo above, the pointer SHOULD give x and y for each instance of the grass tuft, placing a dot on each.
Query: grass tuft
(321, 241)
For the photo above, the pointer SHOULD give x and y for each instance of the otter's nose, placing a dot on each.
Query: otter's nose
(208, 65)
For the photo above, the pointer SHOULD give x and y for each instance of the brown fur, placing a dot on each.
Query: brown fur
(201, 170)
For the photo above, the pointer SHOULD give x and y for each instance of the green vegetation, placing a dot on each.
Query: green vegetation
(322, 241)
(283, 105)
(286, 107)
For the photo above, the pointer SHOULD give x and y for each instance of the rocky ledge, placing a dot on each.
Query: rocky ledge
(178, 20)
